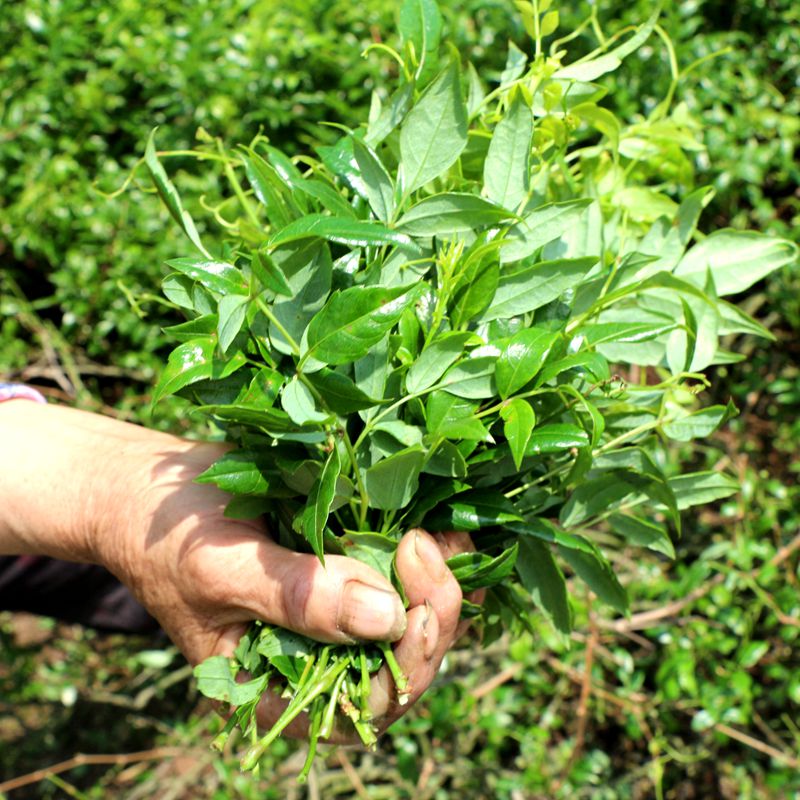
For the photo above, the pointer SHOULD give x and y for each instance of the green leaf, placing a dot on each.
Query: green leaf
(391, 115)
(542, 225)
(592, 363)
(232, 310)
(199, 327)
(475, 288)
(473, 511)
(543, 580)
(449, 213)
(328, 197)
(271, 419)
(342, 230)
(269, 187)
(596, 496)
(554, 438)
(446, 461)
(392, 482)
(699, 488)
(434, 132)
(269, 274)
(216, 679)
(700, 424)
(379, 186)
(352, 321)
(238, 472)
(643, 532)
(522, 359)
(374, 549)
(518, 420)
(529, 287)
(218, 276)
(299, 403)
(596, 572)
(435, 359)
(736, 259)
(479, 570)
(506, 171)
(608, 62)
(623, 332)
(421, 25)
(194, 361)
(169, 194)
(315, 514)
(471, 378)
(339, 392)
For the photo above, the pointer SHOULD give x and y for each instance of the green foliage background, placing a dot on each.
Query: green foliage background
(702, 702)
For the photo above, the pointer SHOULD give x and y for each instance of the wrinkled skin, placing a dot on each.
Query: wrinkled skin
(131, 505)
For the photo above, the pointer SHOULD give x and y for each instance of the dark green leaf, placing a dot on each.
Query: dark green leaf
(392, 482)
(553, 438)
(643, 532)
(269, 274)
(373, 549)
(215, 679)
(479, 570)
(232, 309)
(191, 362)
(453, 418)
(315, 515)
(596, 572)
(342, 230)
(522, 359)
(473, 511)
(169, 194)
(378, 184)
(218, 276)
(340, 394)
(541, 577)
(269, 187)
(238, 472)
(435, 359)
(518, 421)
(354, 320)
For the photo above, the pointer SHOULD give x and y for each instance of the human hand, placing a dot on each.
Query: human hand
(205, 577)
(131, 504)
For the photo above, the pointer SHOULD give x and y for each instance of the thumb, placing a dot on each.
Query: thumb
(341, 602)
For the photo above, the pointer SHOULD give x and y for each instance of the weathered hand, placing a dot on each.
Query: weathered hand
(90, 488)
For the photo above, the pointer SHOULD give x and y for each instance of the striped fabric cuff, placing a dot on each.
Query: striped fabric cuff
(10, 391)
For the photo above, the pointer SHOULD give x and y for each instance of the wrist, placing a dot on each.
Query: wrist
(63, 481)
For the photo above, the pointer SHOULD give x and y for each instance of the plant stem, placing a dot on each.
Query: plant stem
(267, 312)
(237, 187)
(400, 680)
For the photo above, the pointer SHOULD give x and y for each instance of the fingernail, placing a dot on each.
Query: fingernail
(429, 635)
(367, 612)
(430, 557)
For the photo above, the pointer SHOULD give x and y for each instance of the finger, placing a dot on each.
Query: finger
(426, 578)
(341, 602)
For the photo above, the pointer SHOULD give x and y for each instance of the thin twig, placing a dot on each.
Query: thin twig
(352, 775)
(83, 760)
(757, 744)
(498, 680)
